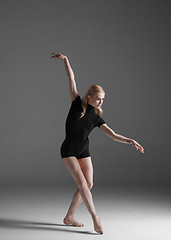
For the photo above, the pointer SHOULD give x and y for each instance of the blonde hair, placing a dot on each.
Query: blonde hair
(94, 89)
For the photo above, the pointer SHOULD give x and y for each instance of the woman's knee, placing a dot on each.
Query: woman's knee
(81, 183)
(90, 185)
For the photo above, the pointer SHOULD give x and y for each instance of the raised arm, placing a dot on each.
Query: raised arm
(119, 138)
(72, 83)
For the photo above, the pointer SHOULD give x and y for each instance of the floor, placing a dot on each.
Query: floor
(127, 213)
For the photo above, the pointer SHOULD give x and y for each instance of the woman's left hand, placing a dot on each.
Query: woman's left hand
(136, 145)
(58, 55)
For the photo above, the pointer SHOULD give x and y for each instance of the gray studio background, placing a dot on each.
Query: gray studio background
(123, 46)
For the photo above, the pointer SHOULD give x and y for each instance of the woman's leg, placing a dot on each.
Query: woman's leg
(87, 169)
(74, 168)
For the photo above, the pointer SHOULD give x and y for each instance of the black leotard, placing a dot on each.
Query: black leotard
(77, 130)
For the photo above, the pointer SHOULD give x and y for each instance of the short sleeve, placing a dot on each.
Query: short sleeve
(100, 121)
(77, 103)
(77, 99)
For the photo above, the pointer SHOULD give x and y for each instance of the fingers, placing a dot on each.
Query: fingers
(142, 149)
(56, 55)
(138, 146)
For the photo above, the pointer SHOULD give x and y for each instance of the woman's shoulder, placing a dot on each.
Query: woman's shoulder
(77, 99)
(77, 103)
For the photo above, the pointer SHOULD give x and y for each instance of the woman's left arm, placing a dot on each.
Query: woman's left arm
(119, 138)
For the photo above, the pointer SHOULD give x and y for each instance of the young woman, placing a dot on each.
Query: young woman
(84, 115)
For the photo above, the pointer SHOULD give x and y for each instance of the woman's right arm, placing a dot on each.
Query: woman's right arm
(72, 83)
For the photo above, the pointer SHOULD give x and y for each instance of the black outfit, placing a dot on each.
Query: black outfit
(77, 130)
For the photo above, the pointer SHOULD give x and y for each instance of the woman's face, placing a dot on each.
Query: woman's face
(97, 100)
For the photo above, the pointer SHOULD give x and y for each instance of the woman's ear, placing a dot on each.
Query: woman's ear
(88, 98)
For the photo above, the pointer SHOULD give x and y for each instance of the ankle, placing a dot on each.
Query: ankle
(69, 215)
(94, 216)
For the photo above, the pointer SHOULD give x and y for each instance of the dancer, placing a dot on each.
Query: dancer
(83, 116)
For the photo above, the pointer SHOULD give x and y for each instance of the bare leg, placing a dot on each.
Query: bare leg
(87, 169)
(69, 218)
(74, 168)
(76, 201)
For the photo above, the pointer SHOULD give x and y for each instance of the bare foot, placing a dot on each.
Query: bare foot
(97, 225)
(72, 221)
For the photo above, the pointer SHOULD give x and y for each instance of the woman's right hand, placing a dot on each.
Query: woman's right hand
(58, 55)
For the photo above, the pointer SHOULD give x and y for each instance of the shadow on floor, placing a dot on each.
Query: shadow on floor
(21, 224)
